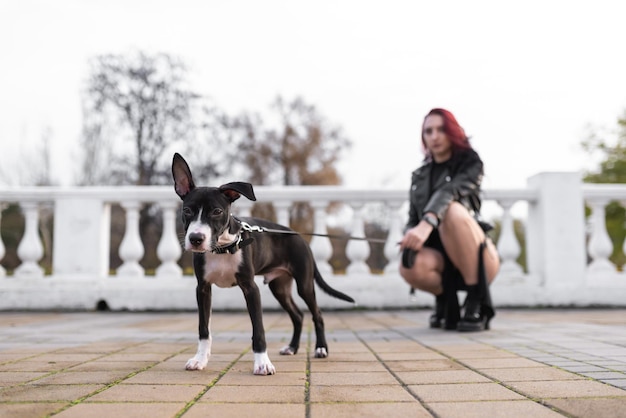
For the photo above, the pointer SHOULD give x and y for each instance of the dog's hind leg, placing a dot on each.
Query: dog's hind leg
(203, 297)
(306, 290)
(281, 289)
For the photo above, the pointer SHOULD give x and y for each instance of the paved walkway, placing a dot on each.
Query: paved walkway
(548, 363)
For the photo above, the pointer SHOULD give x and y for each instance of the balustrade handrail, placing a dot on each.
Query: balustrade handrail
(604, 191)
(263, 193)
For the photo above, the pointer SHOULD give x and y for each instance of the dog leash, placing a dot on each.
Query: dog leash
(255, 228)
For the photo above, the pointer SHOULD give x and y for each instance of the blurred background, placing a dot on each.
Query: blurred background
(303, 93)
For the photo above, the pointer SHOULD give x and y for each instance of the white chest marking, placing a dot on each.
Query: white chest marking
(220, 269)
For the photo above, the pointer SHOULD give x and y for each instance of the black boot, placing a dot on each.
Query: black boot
(436, 319)
(475, 318)
(478, 307)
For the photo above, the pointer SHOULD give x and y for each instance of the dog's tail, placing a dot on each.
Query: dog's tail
(326, 288)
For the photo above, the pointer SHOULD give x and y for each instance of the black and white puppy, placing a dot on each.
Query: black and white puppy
(227, 255)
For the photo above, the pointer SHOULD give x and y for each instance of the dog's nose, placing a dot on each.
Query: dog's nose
(196, 238)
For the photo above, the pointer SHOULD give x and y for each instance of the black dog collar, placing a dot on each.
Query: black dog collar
(233, 247)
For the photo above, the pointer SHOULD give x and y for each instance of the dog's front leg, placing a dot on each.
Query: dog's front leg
(203, 297)
(262, 363)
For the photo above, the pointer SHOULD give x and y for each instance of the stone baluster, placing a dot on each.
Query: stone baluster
(3, 272)
(321, 246)
(282, 211)
(30, 249)
(356, 250)
(392, 249)
(508, 246)
(600, 245)
(169, 248)
(131, 248)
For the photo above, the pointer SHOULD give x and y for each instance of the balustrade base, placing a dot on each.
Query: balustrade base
(385, 291)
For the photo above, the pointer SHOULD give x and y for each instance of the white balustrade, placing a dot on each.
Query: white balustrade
(557, 273)
(30, 249)
(131, 247)
(282, 211)
(508, 247)
(600, 245)
(392, 249)
(357, 251)
(169, 249)
(2, 248)
(320, 246)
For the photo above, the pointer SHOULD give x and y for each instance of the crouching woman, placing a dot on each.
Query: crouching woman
(445, 248)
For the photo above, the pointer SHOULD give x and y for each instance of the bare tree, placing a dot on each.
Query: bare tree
(135, 107)
(300, 148)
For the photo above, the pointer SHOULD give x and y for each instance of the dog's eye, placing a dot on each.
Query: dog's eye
(217, 212)
(187, 211)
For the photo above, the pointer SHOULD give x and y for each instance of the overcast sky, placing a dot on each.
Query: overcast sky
(524, 78)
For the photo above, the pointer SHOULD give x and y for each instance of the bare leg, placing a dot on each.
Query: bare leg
(461, 236)
(426, 272)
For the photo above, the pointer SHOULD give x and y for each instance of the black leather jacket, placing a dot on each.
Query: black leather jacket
(460, 182)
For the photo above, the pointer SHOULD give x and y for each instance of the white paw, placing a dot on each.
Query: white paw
(287, 351)
(196, 363)
(200, 360)
(262, 364)
(320, 352)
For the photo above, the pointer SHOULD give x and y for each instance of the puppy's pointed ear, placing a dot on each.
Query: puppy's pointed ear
(233, 190)
(183, 182)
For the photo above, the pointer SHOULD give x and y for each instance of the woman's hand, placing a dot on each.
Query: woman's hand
(416, 236)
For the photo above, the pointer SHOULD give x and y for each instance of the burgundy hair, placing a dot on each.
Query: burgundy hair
(451, 128)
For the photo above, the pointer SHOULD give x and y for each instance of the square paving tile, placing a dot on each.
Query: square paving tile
(246, 378)
(38, 393)
(348, 366)
(138, 357)
(66, 357)
(360, 393)
(160, 377)
(239, 410)
(596, 408)
(369, 410)
(463, 392)
(37, 366)
(148, 393)
(621, 383)
(441, 376)
(567, 389)
(11, 378)
(422, 365)
(500, 363)
(492, 409)
(397, 346)
(79, 378)
(264, 393)
(426, 355)
(605, 375)
(530, 374)
(28, 410)
(102, 366)
(482, 354)
(343, 379)
(346, 357)
(126, 410)
(167, 348)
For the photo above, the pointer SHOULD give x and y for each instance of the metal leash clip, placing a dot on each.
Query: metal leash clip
(251, 228)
